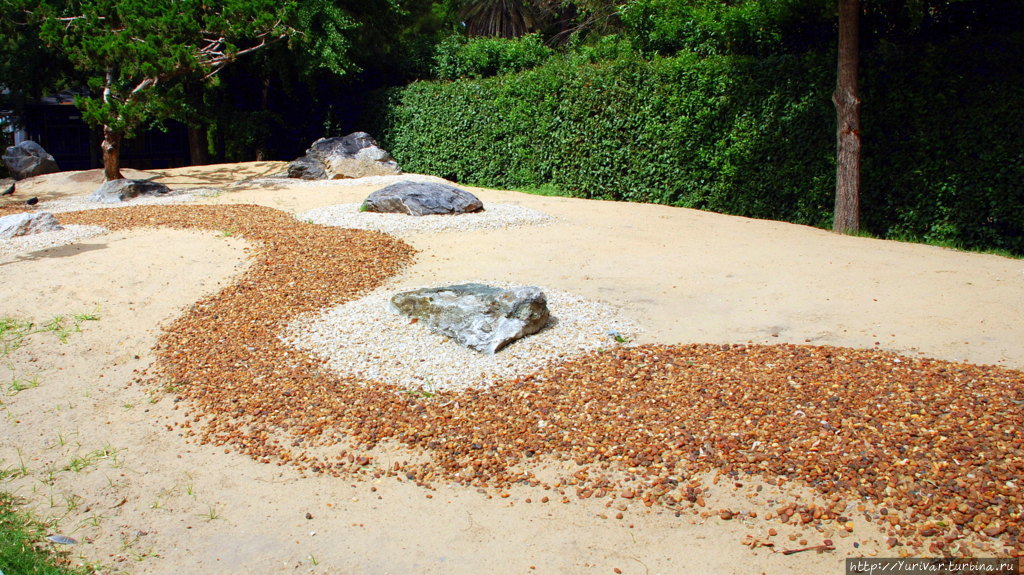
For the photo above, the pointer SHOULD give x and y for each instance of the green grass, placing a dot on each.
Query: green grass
(12, 334)
(23, 546)
(13, 331)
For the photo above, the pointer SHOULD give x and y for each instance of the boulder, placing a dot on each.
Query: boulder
(356, 155)
(115, 191)
(29, 159)
(306, 168)
(422, 199)
(480, 317)
(25, 224)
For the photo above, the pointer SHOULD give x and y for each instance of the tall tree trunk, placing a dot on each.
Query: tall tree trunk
(198, 146)
(846, 218)
(111, 147)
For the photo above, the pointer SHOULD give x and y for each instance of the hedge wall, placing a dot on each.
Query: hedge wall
(739, 135)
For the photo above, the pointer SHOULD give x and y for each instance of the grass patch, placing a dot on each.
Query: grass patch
(23, 545)
(13, 333)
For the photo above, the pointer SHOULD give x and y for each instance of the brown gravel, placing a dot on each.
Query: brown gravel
(935, 445)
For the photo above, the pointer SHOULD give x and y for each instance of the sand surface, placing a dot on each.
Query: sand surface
(83, 445)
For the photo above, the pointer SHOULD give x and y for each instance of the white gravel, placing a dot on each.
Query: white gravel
(367, 339)
(71, 234)
(493, 216)
(82, 203)
(44, 240)
(343, 182)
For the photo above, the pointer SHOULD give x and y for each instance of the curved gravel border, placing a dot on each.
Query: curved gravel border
(494, 216)
(929, 450)
(366, 339)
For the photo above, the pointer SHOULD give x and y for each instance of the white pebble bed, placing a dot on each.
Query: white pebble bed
(45, 240)
(368, 339)
(493, 216)
(82, 203)
(342, 182)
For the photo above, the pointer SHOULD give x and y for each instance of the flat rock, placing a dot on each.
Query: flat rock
(422, 199)
(29, 159)
(115, 191)
(27, 223)
(480, 317)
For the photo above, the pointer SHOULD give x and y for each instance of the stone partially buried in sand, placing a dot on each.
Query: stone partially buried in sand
(478, 316)
(25, 224)
(114, 191)
(422, 199)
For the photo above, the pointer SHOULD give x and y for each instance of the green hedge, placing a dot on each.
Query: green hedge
(741, 135)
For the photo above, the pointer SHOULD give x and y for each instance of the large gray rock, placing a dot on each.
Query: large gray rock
(356, 155)
(29, 159)
(306, 168)
(114, 191)
(422, 199)
(480, 317)
(27, 223)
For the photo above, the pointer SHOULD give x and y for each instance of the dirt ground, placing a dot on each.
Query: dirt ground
(85, 446)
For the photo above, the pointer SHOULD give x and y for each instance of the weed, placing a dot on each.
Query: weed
(228, 233)
(12, 334)
(72, 501)
(313, 560)
(211, 514)
(19, 385)
(80, 462)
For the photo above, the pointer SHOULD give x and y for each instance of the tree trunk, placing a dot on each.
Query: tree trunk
(198, 150)
(846, 218)
(111, 147)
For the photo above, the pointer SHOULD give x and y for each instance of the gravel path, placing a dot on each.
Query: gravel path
(930, 450)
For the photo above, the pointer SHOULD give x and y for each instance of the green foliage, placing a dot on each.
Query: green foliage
(743, 135)
(480, 57)
(942, 132)
(730, 134)
(135, 54)
(713, 27)
(325, 39)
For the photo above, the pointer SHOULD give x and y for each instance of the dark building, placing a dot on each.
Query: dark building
(56, 124)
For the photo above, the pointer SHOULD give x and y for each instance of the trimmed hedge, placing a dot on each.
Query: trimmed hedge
(742, 135)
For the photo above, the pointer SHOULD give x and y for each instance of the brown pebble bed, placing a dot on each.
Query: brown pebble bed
(936, 446)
